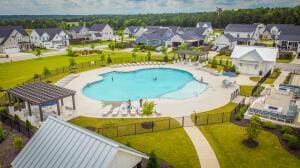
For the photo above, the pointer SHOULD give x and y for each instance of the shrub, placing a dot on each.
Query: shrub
(238, 117)
(148, 107)
(287, 137)
(293, 141)
(109, 60)
(269, 125)
(214, 63)
(16, 119)
(18, 142)
(3, 110)
(2, 133)
(166, 59)
(28, 124)
(253, 128)
(286, 129)
(153, 162)
(46, 72)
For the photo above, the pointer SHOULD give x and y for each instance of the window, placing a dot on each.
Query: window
(241, 64)
(248, 35)
(238, 35)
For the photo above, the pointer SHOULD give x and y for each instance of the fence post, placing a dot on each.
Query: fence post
(182, 121)
(152, 126)
(196, 123)
(134, 129)
(207, 119)
(169, 123)
(223, 117)
(117, 131)
(98, 130)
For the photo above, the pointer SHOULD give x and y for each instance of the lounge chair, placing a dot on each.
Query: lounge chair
(123, 109)
(116, 111)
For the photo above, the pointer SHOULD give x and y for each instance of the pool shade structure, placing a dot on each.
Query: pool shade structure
(41, 94)
(201, 55)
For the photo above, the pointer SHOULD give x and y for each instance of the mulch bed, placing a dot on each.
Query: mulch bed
(8, 151)
(250, 143)
(277, 132)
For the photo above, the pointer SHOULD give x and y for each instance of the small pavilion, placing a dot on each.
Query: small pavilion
(201, 56)
(39, 94)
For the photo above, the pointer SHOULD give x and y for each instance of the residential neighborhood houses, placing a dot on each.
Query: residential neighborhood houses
(49, 38)
(134, 31)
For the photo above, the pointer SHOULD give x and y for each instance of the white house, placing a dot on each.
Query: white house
(245, 34)
(225, 40)
(105, 30)
(13, 39)
(134, 31)
(61, 144)
(206, 25)
(79, 32)
(49, 38)
(254, 60)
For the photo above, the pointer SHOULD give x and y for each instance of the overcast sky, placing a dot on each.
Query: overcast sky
(36, 7)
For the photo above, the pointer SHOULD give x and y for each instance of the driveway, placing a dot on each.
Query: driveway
(289, 67)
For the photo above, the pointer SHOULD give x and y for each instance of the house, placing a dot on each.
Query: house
(272, 31)
(206, 25)
(191, 36)
(134, 31)
(254, 60)
(238, 34)
(79, 32)
(61, 144)
(13, 39)
(289, 39)
(101, 31)
(49, 38)
(155, 36)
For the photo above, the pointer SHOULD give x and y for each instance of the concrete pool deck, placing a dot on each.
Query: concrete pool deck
(215, 96)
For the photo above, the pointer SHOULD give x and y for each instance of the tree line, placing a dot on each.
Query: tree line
(219, 19)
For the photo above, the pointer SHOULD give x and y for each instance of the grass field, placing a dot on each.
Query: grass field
(14, 73)
(226, 140)
(246, 90)
(221, 114)
(172, 146)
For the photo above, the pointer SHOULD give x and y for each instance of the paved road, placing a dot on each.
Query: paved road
(289, 67)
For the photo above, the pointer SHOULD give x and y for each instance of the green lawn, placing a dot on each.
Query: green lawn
(41, 49)
(172, 146)
(224, 57)
(14, 73)
(246, 90)
(226, 140)
(284, 60)
(267, 81)
(221, 114)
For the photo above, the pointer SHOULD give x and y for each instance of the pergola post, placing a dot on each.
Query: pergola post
(29, 109)
(73, 101)
(62, 101)
(41, 113)
(58, 108)
(19, 107)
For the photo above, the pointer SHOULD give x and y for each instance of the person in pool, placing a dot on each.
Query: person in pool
(155, 79)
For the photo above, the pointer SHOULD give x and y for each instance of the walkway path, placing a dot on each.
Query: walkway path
(204, 151)
(280, 79)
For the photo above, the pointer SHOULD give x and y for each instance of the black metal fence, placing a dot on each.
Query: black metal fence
(259, 83)
(20, 125)
(199, 119)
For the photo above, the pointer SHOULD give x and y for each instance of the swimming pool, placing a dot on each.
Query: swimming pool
(145, 84)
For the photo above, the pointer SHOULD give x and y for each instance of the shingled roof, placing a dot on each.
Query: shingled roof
(97, 27)
(5, 32)
(76, 29)
(50, 31)
(240, 28)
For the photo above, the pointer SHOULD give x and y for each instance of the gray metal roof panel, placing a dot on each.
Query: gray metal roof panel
(60, 144)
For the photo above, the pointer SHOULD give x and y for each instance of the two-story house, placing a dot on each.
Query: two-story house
(79, 33)
(101, 31)
(205, 25)
(49, 38)
(134, 31)
(155, 36)
(13, 39)
(238, 34)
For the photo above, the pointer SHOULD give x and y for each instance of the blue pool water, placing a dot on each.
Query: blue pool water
(145, 84)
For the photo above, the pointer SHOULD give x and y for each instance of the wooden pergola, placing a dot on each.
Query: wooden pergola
(40, 94)
(201, 55)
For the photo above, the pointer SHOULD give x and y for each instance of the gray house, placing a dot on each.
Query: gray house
(79, 32)
(289, 39)
(13, 39)
(155, 36)
(101, 31)
(61, 144)
(134, 31)
(206, 25)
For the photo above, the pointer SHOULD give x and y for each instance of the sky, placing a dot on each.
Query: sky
(83, 7)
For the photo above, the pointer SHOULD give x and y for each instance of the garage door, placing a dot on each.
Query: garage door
(11, 50)
(248, 69)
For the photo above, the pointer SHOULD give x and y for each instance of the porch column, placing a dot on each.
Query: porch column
(62, 101)
(73, 101)
(29, 109)
(41, 113)
(9, 99)
(19, 107)
(58, 108)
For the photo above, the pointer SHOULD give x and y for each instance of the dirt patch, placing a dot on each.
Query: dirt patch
(147, 125)
(8, 151)
(250, 143)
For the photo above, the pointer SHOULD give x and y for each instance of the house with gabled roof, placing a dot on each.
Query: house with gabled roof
(79, 32)
(101, 31)
(206, 25)
(192, 36)
(134, 31)
(13, 39)
(254, 60)
(61, 144)
(244, 33)
(273, 30)
(155, 36)
(289, 39)
(49, 38)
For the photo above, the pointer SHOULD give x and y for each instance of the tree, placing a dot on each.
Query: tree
(46, 72)
(166, 58)
(28, 124)
(102, 58)
(16, 119)
(109, 60)
(38, 52)
(148, 107)
(153, 162)
(18, 142)
(254, 128)
(72, 63)
(70, 51)
(133, 54)
(149, 55)
(214, 63)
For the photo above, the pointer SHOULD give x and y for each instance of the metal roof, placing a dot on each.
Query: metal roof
(40, 92)
(265, 53)
(61, 144)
